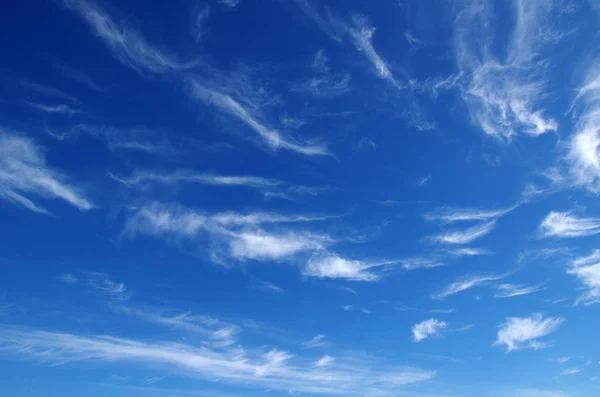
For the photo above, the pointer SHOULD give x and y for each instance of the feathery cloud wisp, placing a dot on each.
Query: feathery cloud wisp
(258, 369)
(523, 332)
(326, 265)
(511, 290)
(503, 94)
(447, 215)
(126, 45)
(324, 361)
(23, 171)
(564, 224)
(465, 236)
(587, 270)
(463, 284)
(270, 136)
(142, 177)
(317, 341)
(427, 328)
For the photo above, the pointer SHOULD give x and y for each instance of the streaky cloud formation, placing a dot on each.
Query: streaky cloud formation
(523, 332)
(142, 178)
(465, 236)
(125, 44)
(587, 270)
(503, 95)
(326, 265)
(447, 215)
(428, 328)
(56, 109)
(464, 283)
(271, 137)
(325, 361)
(23, 172)
(565, 224)
(511, 290)
(271, 369)
(311, 12)
(326, 86)
(317, 341)
(583, 155)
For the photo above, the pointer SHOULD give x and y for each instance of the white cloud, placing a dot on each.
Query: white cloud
(324, 361)
(201, 17)
(564, 224)
(126, 45)
(446, 215)
(101, 284)
(274, 369)
(503, 95)
(463, 284)
(424, 180)
(141, 178)
(420, 263)
(523, 332)
(69, 279)
(23, 171)
(464, 236)
(317, 341)
(325, 86)
(571, 371)
(362, 33)
(587, 270)
(583, 150)
(57, 109)
(262, 245)
(351, 308)
(320, 62)
(462, 252)
(563, 360)
(311, 12)
(270, 136)
(511, 290)
(326, 265)
(427, 328)
(229, 3)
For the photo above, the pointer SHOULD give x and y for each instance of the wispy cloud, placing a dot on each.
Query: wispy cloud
(125, 44)
(56, 109)
(270, 136)
(325, 86)
(273, 369)
(511, 290)
(423, 181)
(119, 139)
(445, 215)
(358, 308)
(219, 334)
(46, 91)
(23, 171)
(78, 76)
(587, 270)
(361, 32)
(198, 28)
(229, 3)
(312, 13)
(328, 265)
(428, 328)
(464, 283)
(325, 361)
(465, 236)
(68, 278)
(101, 284)
(317, 341)
(564, 224)
(142, 178)
(571, 371)
(523, 332)
(563, 360)
(582, 157)
(503, 95)
(320, 62)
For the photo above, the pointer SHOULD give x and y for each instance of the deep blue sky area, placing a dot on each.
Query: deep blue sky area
(224, 198)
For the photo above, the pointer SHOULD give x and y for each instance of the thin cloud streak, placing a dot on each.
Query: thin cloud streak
(587, 270)
(125, 44)
(23, 171)
(464, 236)
(463, 284)
(564, 224)
(523, 332)
(510, 290)
(272, 369)
(271, 137)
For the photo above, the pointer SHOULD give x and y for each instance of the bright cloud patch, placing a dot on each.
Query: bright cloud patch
(427, 328)
(523, 332)
(565, 224)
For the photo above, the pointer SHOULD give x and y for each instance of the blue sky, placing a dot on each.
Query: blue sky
(224, 198)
